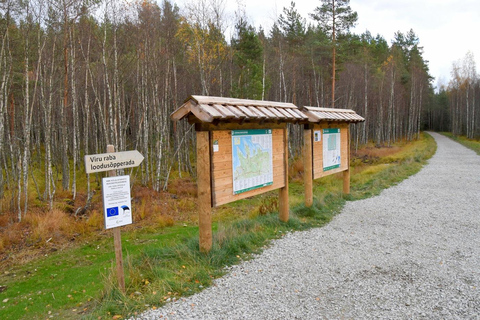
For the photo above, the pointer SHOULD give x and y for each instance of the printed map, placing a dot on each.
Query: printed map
(331, 149)
(251, 159)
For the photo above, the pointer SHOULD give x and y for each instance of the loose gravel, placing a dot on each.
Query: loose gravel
(413, 252)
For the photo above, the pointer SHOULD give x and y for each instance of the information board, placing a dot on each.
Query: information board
(331, 149)
(117, 201)
(252, 162)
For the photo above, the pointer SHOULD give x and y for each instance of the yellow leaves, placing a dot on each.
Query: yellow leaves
(206, 46)
(390, 60)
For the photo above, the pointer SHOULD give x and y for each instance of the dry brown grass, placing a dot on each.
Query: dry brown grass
(296, 170)
(54, 226)
(43, 230)
(183, 187)
(38, 231)
(11, 233)
(372, 154)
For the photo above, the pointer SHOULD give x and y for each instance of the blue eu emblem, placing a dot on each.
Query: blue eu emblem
(111, 212)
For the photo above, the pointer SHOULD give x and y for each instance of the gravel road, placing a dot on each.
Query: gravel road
(413, 252)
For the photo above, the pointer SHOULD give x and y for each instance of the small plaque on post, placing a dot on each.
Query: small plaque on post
(117, 201)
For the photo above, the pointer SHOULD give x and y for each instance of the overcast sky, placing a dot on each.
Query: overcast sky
(447, 29)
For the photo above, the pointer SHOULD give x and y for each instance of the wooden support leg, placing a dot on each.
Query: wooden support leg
(346, 174)
(204, 191)
(307, 164)
(346, 181)
(283, 195)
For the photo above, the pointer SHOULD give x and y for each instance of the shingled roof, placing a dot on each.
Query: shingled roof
(316, 114)
(218, 109)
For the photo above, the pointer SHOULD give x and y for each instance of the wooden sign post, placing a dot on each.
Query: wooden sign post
(307, 163)
(204, 191)
(117, 239)
(283, 206)
(242, 151)
(327, 146)
(346, 173)
(116, 200)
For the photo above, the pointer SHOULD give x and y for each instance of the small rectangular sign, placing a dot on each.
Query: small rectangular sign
(117, 203)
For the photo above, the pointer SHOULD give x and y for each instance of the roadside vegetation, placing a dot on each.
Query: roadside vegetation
(473, 144)
(61, 266)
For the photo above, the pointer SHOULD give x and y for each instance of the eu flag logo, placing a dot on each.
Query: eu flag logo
(111, 212)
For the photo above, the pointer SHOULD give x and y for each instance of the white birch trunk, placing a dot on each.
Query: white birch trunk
(111, 127)
(74, 116)
(5, 71)
(87, 120)
(365, 105)
(48, 148)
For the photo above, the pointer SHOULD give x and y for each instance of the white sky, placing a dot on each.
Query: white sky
(447, 29)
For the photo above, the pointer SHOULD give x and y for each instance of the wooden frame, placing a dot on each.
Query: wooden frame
(317, 149)
(320, 120)
(215, 176)
(222, 171)
(214, 119)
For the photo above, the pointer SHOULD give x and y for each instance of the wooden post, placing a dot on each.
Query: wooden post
(346, 174)
(117, 239)
(283, 207)
(204, 191)
(307, 167)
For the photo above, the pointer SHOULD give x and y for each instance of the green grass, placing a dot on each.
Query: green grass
(72, 282)
(469, 143)
(165, 265)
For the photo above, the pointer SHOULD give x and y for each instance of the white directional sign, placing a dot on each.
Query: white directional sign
(112, 161)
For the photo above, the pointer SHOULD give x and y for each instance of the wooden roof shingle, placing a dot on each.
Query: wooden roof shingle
(316, 114)
(219, 109)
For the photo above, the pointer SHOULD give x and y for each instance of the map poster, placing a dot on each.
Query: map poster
(252, 162)
(331, 149)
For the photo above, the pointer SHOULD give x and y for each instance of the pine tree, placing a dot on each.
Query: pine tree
(335, 16)
(248, 53)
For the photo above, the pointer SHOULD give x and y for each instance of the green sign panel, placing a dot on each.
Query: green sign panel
(331, 149)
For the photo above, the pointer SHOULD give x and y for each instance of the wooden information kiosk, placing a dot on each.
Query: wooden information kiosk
(327, 146)
(242, 151)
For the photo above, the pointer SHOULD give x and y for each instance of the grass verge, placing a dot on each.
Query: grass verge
(469, 143)
(165, 265)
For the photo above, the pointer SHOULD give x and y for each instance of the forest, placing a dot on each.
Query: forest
(77, 75)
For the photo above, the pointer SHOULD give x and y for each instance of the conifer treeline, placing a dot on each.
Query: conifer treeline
(76, 75)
